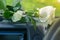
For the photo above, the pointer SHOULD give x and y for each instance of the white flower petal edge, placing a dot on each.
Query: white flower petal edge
(17, 16)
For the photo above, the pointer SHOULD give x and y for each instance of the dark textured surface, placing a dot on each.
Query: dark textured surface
(31, 33)
(56, 36)
(52, 30)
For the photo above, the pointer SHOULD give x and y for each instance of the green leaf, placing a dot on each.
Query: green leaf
(36, 13)
(8, 14)
(33, 22)
(30, 13)
(23, 20)
(17, 7)
(3, 4)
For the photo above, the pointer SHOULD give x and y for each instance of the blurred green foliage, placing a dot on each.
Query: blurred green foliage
(28, 5)
(2, 4)
(12, 2)
(31, 4)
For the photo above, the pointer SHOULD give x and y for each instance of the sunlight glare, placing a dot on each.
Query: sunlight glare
(58, 1)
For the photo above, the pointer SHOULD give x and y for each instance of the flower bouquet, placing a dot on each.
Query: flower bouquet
(23, 11)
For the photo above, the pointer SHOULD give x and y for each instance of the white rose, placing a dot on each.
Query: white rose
(45, 12)
(47, 15)
(17, 16)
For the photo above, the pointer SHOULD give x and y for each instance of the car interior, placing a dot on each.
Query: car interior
(30, 20)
